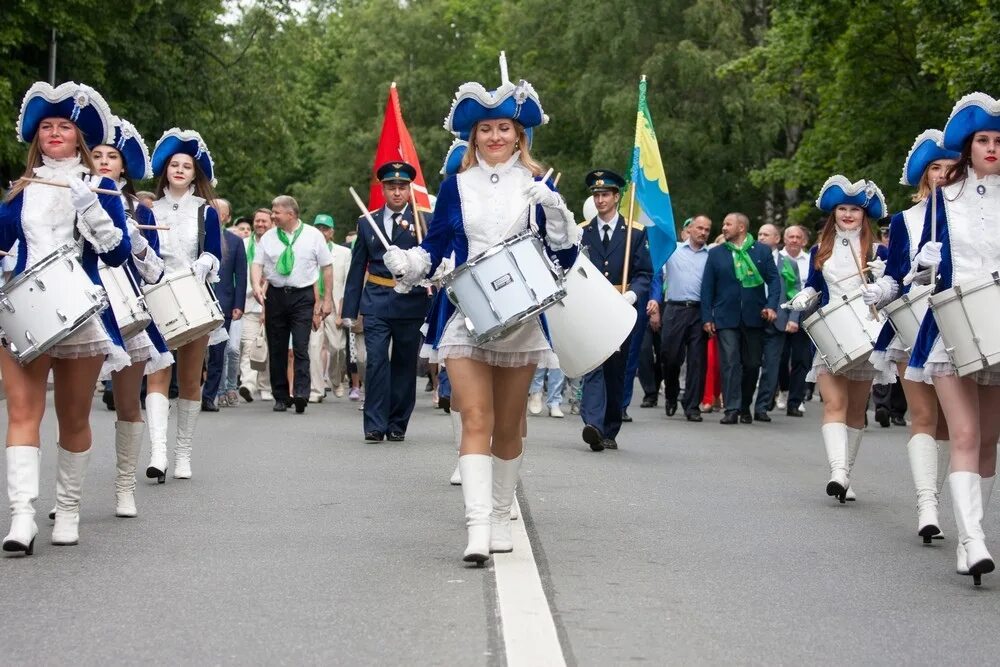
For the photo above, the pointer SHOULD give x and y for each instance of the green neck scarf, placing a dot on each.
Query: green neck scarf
(746, 270)
(286, 262)
(322, 285)
(788, 275)
(251, 249)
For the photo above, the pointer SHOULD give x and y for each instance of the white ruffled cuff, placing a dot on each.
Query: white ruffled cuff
(446, 266)
(96, 227)
(890, 290)
(418, 264)
(561, 230)
(150, 267)
(213, 273)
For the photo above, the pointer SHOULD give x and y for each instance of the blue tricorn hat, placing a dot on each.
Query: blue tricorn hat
(189, 142)
(453, 158)
(601, 180)
(74, 101)
(130, 144)
(396, 170)
(927, 147)
(865, 194)
(973, 113)
(473, 103)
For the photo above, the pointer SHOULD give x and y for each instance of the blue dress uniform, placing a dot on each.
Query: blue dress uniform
(604, 388)
(389, 318)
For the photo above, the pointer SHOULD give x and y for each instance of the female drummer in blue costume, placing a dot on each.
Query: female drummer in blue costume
(966, 249)
(497, 184)
(927, 450)
(59, 124)
(844, 242)
(125, 158)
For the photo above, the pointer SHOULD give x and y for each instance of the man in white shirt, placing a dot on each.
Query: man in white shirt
(253, 317)
(291, 256)
(330, 334)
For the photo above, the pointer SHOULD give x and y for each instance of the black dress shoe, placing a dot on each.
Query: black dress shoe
(898, 421)
(373, 436)
(246, 394)
(300, 404)
(444, 402)
(209, 406)
(694, 417)
(609, 443)
(279, 406)
(648, 403)
(289, 402)
(395, 436)
(745, 418)
(730, 418)
(593, 437)
(109, 399)
(429, 386)
(625, 417)
(795, 412)
(762, 417)
(882, 417)
(809, 395)
(671, 408)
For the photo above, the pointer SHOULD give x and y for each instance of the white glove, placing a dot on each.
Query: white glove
(877, 268)
(539, 193)
(139, 242)
(631, 297)
(346, 322)
(81, 195)
(872, 294)
(395, 260)
(802, 300)
(929, 255)
(203, 266)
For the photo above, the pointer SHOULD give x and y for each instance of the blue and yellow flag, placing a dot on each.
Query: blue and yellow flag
(650, 181)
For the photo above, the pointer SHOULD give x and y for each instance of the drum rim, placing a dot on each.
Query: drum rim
(494, 249)
(520, 318)
(65, 250)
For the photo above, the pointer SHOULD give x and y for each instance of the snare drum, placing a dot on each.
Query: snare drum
(183, 308)
(502, 287)
(907, 312)
(46, 303)
(126, 301)
(968, 317)
(843, 332)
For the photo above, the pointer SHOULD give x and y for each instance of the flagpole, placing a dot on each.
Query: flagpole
(628, 223)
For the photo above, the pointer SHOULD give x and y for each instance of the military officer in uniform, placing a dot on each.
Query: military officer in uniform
(390, 318)
(605, 238)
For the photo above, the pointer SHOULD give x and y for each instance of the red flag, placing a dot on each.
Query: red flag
(396, 144)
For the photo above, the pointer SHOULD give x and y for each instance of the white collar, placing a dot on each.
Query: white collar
(501, 168)
(613, 223)
(990, 180)
(387, 212)
(186, 198)
(851, 234)
(69, 167)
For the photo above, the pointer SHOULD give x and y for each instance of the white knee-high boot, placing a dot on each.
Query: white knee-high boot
(157, 414)
(943, 461)
(69, 487)
(477, 491)
(456, 429)
(986, 490)
(505, 475)
(128, 440)
(187, 421)
(854, 436)
(22, 490)
(835, 440)
(923, 455)
(967, 499)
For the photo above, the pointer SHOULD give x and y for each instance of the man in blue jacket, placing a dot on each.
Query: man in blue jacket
(389, 317)
(735, 305)
(231, 291)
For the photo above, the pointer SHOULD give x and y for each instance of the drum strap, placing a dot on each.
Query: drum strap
(201, 229)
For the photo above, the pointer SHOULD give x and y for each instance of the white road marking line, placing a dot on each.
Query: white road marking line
(529, 633)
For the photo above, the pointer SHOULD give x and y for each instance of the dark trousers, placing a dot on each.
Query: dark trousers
(890, 397)
(289, 312)
(444, 383)
(604, 393)
(650, 368)
(796, 359)
(773, 343)
(215, 359)
(683, 340)
(740, 350)
(390, 381)
(633, 351)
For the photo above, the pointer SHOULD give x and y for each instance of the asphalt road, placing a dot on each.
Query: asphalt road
(296, 543)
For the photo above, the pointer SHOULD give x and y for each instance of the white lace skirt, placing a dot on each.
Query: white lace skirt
(939, 365)
(525, 345)
(91, 340)
(866, 372)
(887, 362)
(141, 351)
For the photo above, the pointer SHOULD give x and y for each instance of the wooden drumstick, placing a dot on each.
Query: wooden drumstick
(368, 216)
(531, 211)
(934, 267)
(156, 227)
(861, 274)
(59, 184)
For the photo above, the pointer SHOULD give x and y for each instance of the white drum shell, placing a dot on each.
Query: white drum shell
(907, 312)
(502, 287)
(183, 308)
(969, 320)
(46, 303)
(843, 332)
(126, 301)
(591, 322)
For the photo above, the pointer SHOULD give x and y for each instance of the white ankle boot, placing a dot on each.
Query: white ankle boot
(477, 491)
(128, 439)
(854, 436)
(187, 421)
(505, 475)
(22, 490)
(923, 455)
(835, 440)
(986, 490)
(967, 500)
(69, 486)
(157, 414)
(456, 428)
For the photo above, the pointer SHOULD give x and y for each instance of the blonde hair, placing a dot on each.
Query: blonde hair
(35, 160)
(470, 160)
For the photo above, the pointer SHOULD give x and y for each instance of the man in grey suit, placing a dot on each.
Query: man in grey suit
(787, 322)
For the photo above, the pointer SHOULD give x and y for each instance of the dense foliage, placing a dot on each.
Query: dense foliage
(755, 102)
